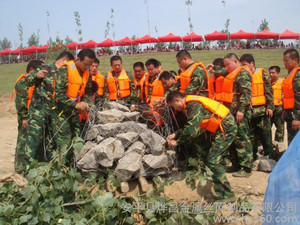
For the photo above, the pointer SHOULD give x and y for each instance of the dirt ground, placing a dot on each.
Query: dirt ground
(253, 187)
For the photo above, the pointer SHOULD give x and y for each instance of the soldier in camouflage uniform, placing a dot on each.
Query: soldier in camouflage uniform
(40, 128)
(241, 150)
(66, 113)
(22, 103)
(291, 92)
(199, 84)
(117, 68)
(274, 72)
(261, 113)
(220, 140)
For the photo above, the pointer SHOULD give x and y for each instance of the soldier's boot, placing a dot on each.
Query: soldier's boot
(233, 168)
(242, 173)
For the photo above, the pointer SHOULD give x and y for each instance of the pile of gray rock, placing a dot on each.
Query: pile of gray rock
(117, 141)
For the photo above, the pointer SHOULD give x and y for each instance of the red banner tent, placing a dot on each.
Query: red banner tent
(216, 35)
(126, 41)
(106, 43)
(192, 37)
(287, 34)
(242, 35)
(6, 51)
(146, 39)
(72, 46)
(88, 44)
(265, 34)
(42, 48)
(16, 51)
(170, 38)
(30, 50)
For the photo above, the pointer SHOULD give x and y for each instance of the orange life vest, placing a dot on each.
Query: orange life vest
(218, 87)
(140, 84)
(219, 112)
(258, 88)
(277, 92)
(30, 91)
(185, 78)
(76, 83)
(158, 90)
(288, 90)
(119, 87)
(228, 85)
(99, 79)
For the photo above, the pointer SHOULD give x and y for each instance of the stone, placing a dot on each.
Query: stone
(128, 166)
(127, 138)
(109, 150)
(154, 142)
(266, 165)
(109, 129)
(99, 139)
(146, 171)
(130, 126)
(92, 134)
(89, 161)
(137, 147)
(86, 148)
(114, 105)
(110, 116)
(131, 116)
(158, 162)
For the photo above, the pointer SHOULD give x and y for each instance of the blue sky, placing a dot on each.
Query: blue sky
(130, 17)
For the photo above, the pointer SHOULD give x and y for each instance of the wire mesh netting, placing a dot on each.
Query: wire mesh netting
(130, 143)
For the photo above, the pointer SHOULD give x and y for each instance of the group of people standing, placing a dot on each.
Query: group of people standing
(228, 107)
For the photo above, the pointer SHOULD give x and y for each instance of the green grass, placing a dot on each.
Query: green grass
(264, 58)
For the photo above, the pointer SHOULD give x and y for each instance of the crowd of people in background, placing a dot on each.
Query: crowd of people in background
(172, 47)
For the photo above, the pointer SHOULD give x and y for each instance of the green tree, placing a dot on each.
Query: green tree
(107, 28)
(68, 40)
(112, 23)
(5, 43)
(20, 30)
(263, 25)
(189, 3)
(33, 40)
(134, 47)
(148, 20)
(78, 23)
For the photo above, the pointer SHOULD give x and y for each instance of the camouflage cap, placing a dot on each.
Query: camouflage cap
(220, 70)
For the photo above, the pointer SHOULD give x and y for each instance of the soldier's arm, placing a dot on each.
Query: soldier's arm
(21, 99)
(191, 129)
(244, 86)
(296, 86)
(61, 85)
(198, 81)
(268, 91)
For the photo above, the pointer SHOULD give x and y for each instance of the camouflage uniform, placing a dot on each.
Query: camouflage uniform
(220, 143)
(126, 101)
(241, 149)
(279, 123)
(261, 123)
(22, 111)
(291, 114)
(198, 84)
(40, 127)
(66, 118)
